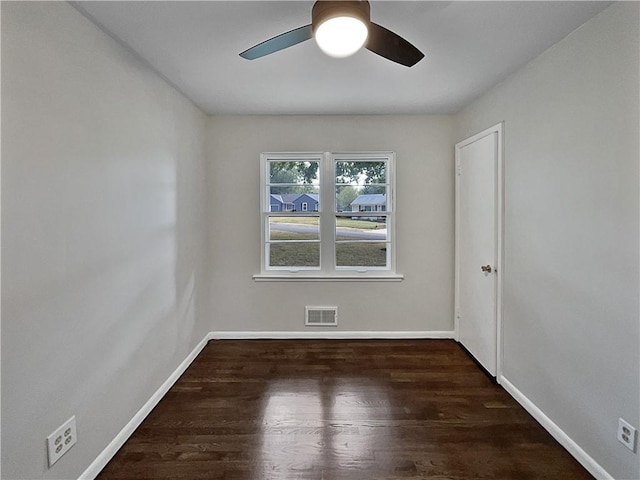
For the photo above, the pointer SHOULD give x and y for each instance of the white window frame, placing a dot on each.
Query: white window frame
(328, 215)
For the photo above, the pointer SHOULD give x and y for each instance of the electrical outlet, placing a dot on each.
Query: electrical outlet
(627, 435)
(61, 440)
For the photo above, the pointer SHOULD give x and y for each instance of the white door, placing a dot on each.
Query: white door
(478, 244)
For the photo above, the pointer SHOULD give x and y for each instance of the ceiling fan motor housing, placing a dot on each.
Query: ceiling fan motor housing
(325, 9)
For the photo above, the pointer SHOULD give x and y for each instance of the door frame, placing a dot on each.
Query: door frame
(499, 267)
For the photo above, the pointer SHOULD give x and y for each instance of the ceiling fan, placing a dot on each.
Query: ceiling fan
(341, 28)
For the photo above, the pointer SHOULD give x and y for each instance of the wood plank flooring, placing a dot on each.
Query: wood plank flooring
(325, 409)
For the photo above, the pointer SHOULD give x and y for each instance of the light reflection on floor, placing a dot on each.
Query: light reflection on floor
(308, 424)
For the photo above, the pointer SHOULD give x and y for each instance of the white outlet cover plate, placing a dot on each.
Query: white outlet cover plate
(627, 435)
(61, 440)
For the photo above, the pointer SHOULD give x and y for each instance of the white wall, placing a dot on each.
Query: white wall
(424, 165)
(571, 268)
(102, 235)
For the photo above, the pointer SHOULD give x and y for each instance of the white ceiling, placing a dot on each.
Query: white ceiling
(469, 47)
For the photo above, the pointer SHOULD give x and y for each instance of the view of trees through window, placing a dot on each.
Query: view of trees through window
(294, 241)
(295, 211)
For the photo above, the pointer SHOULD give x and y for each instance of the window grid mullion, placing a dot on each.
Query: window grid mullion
(327, 221)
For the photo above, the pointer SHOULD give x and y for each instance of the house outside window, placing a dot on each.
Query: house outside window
(311, 214)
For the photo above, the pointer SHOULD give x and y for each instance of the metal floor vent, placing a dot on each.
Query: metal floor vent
(322, 316)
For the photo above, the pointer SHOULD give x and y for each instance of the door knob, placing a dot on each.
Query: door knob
(486, 268)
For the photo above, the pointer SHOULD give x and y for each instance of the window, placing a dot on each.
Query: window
(328, 215)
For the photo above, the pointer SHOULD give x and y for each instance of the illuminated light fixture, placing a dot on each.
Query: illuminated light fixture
(340, 28)
(327, 16)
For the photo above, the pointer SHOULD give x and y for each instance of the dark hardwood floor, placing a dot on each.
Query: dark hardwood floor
(307, 409)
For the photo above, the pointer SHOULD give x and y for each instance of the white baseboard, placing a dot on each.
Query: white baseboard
(107, 454)
(329, 334)
(572, 447)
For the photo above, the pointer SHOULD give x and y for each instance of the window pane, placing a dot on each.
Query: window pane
(361, 254)
(294, 172)
(363, 193)
(361, 172)
(370, 198)
(292, 198)
(294, 254)
(294, 228)
(361, 228)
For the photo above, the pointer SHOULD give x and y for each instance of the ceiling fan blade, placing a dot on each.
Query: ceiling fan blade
(392, 46)
(282, 41)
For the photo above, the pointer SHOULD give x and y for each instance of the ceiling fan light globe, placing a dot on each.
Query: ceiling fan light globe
(341, 37)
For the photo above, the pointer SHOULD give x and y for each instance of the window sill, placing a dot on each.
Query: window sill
(306, 277)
